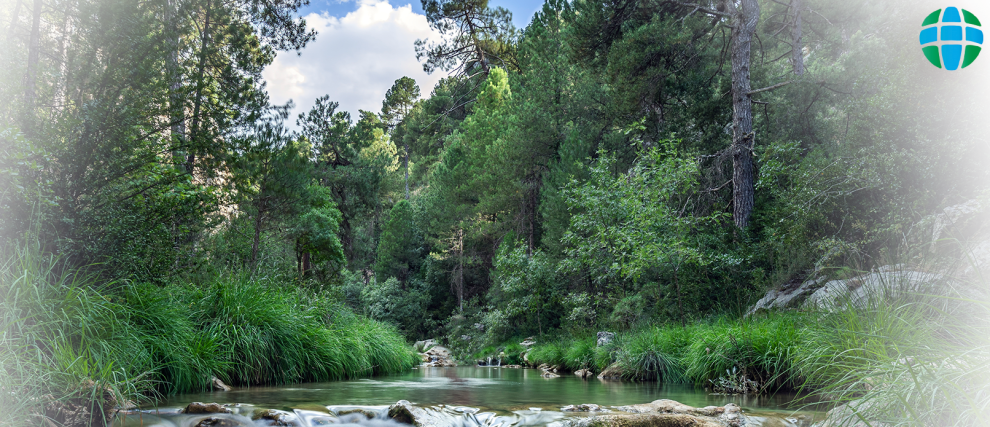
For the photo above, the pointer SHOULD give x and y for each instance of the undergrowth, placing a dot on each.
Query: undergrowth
(66, 333)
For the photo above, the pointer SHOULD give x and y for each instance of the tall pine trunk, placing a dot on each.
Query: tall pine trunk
(13, 21)
(797, 50)
(746, 17)
(34, 48)
(200, 77)
(176, 105)
(405, 164)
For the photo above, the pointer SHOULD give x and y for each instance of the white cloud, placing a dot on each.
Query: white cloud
(354, 59)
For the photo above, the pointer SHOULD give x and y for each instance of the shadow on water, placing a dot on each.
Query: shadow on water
(458, 397)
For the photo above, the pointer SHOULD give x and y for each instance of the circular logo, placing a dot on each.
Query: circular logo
(951, 39)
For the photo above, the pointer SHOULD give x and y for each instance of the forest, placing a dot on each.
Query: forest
(646, 167)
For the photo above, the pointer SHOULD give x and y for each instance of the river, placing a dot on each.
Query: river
(484, 396)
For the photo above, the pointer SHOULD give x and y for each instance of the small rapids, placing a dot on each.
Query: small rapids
(342, 416)
(244, 415)
(466, 396)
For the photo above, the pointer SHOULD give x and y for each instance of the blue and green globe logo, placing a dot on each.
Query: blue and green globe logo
(953, 40)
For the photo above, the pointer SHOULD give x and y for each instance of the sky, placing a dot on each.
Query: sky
(361, 48)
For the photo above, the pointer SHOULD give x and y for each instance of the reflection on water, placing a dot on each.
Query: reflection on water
(489, 388)
(499, 391)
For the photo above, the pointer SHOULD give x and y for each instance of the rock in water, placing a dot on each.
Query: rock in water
(605, 338)
(218, 422)
(613, 372)
(584, 373)
(404, 412)
(277, 418)
(205, 408)
(664, 413)
(584, 407)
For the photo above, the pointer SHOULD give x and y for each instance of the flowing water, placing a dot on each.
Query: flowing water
(467, 396)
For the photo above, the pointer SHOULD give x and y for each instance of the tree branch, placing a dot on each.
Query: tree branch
(704, 9)
(776, 86)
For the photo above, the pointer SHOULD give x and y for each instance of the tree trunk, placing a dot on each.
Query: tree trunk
(460, 270)
(60, 97)
(797, 50)
(176, 105)
(200, 75)
(34, 47)
(13, 21)
(746, 17)
(405, 164)
(257, 240)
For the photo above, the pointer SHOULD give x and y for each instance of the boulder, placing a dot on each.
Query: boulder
(605, 338)
(218, 422)
(851, 414)
(958, 232)
(889, 280)
(790, 295)
(613, 372)
(404, 412)
(584, 373)
(423, 346)
(528, 342)
(219, 385)
(438, 356)
(205, 408)
(664, 413)
(274, 417)
(90, 404)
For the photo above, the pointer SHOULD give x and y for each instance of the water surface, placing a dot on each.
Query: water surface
(487, 396)
(488, 388)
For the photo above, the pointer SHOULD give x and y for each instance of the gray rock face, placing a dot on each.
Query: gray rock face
(887, 281)
(959, 229)
(605, 338)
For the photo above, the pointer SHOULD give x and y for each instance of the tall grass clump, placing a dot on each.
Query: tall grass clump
(656, 353)
(580, 354)
(903, 358)
(551, 353)
(69, 353)
(759, 349)
(73, 345)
